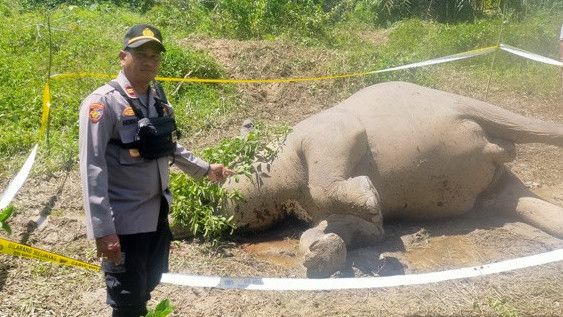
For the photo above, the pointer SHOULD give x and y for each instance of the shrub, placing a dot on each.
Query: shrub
(5, 214)
(197, 203)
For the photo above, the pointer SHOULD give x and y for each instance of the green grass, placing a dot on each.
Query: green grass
(84, 39)
(502, 308)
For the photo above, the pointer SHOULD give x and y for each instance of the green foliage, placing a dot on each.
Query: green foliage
(137, 5)
(178, 62)
(84, 39)
(244, 19)
(195, 205)
(239, 153)
(163, 309)
(9, 8)
(385, 12)
(502, 308)
(4, 215)
(197, 202)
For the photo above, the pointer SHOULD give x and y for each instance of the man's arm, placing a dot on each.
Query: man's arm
(199, 168)
(95, 128)
(189, 163)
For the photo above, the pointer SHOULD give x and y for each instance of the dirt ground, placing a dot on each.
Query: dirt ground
(50, 216)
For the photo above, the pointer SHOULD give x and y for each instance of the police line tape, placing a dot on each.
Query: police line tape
(17, 182)
(528, 55)
(20, 178)
(17, 249)
(440, 60)
(302, 284)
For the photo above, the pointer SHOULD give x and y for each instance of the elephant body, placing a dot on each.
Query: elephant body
(392, 150)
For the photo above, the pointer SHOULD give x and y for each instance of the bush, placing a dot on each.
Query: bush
(197, 203)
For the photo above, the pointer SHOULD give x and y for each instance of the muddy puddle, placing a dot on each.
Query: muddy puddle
(410, 249)
(283, 252)
(444, 252)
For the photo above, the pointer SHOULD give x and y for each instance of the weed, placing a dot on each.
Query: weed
(197, 202)
(502, 308)
(163, 309)
(4, 215)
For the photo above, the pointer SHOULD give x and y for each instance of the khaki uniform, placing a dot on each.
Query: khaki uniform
(122, 191)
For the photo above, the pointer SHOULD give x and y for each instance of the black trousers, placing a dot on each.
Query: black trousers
(146, 257)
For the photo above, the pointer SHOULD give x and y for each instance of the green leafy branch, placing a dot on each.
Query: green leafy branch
(163, 309)
(4, 215)
(197, 202)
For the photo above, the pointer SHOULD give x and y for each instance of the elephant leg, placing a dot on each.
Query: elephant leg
(354, 196)
(336, 165)
(325, 246)
(511, 196)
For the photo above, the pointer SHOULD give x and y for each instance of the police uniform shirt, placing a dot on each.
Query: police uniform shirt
(122, 191)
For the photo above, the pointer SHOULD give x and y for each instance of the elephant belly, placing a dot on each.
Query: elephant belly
(430, 169)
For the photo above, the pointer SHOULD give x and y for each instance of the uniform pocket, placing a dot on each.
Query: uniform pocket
(129, 156)
(128, 132)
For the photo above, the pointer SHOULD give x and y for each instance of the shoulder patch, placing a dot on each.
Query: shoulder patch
(128, 112)
(96, 112)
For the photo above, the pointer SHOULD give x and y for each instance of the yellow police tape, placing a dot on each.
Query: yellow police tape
(16, 249)
(46, 100)
(454, 57)
(468, 54)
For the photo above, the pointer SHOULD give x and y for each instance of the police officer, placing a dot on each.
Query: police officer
(126, 144)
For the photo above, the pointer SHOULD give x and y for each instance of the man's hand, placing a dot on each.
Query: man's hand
(109, 248)
(218, 172)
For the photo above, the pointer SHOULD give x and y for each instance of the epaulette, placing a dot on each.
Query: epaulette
(103, 90)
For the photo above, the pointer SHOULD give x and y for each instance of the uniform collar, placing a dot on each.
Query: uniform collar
(126, 85)
(128, 88)
(130, 91)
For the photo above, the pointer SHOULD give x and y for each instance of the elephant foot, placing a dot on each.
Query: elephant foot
(325, 256)
(325, 246)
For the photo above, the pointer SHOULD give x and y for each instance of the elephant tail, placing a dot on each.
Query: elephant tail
(507, 125)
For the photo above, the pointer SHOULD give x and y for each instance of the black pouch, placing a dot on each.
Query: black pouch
(155, 137)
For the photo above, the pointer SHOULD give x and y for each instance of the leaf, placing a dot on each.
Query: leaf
(6, 227)
(163, 309)
(6, 213)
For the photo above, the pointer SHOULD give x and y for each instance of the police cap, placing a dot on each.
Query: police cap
(140, 34)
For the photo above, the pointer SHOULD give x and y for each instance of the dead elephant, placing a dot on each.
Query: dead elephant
(394, 149)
